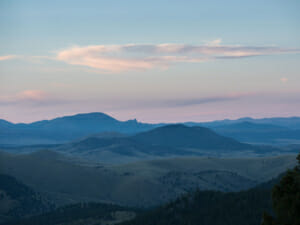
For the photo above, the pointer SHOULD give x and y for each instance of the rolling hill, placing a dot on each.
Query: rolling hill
(165, 141)
(181, 136)
(143, 183)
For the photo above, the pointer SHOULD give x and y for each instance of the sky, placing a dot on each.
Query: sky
(156, 61)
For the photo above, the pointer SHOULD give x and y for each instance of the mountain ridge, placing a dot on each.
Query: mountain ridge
(285, 130)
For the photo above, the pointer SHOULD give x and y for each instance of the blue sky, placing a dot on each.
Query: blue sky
(150, 60)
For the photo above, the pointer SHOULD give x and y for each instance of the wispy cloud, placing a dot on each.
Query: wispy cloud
(39, 98)
(120, 58)
(185, 102)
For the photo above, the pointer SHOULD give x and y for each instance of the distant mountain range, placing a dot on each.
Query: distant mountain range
(258, 133)
(275, 131)
(287, 122)
(66, 129)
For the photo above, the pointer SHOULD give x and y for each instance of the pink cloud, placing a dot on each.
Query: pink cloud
(31, 95)
(26, 96)
(120, 58)
(8, 57)
(283, 79)
(90, 57)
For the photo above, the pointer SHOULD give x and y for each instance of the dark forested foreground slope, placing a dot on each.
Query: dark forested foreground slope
(255, 206)
(81, 213)
(18, 200)
(200, 207)
(210, 208)
(286, 199)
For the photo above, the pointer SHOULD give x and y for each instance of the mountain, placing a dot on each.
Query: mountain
(18, 200)
(69, 128)
(143, 183)
(181, 136)
(65, 129)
